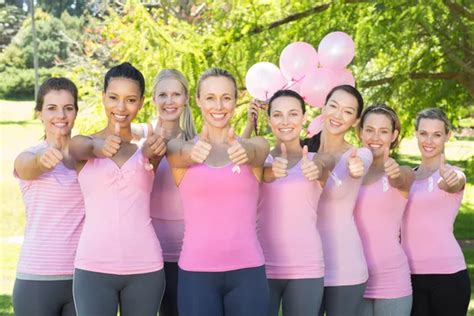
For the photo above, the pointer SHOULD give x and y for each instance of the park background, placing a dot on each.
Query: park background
(409, 54)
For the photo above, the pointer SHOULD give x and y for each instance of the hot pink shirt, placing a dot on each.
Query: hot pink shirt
(427, 231)
(343, 254)
(378, 214)
(118, 237)
(286, 226)
(220, 208)
(54, 217)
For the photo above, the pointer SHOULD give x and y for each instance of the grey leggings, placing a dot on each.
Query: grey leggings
(100, 294)
(298, 297)
(342, 300)
(386, 307)
(43, 298)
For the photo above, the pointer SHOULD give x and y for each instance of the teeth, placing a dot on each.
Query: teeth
(375, 146)
(170, 110)
(285, 130)
(120, 117)
(335, 123)
(428, 149)
(217, 116)
(60, 125)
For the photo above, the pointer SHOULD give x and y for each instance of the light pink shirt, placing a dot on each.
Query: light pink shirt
(427, 231)
(286, 226)
(54, 218)
(118, 237)
(343, 254)
(220, 208)
(378, 214)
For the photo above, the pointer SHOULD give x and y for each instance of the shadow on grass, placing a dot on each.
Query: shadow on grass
(464, 225)
(6, 308)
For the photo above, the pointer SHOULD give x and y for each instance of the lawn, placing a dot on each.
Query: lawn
(19, 130)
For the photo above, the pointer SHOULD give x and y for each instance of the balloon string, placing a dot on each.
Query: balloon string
(293, 82)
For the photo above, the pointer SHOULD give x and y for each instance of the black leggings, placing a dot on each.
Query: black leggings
(441, 294)
(100, 294)
(169, 304)
(43, 298)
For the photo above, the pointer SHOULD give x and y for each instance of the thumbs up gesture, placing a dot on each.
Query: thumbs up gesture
(391, 167)
(51, 156)
(355, 164)
(448, 174)
(111, 145)
(202, 148)
(280, 164)
(309, 169)
(155, 144)
(237, 153)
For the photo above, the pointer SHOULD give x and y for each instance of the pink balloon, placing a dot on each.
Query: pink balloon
(294, 85)
(316, 86)
(336, 50)
(297, 60)
(264, 79)
(344, 76)
(315, 126)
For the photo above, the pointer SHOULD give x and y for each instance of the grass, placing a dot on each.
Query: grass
(19, 129)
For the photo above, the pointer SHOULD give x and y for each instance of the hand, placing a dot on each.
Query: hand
(280, 164)
(310, 170)
(111, 145)
(355, 165)
(448, 173)
(237, 153)
(252, 114)
(202, 148)
(155, 142)
(391, 167)
(51, 156)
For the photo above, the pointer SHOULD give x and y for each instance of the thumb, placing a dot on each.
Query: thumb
(204, 133)
(231, 136)
(386, 154)
(149, 131)
(284, 154)
(158, 127)
(57, 141)
(305, 157)
(354, 152)
(117, 129)
(442, 162)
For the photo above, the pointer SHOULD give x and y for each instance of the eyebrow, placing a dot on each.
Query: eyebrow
(54, 104)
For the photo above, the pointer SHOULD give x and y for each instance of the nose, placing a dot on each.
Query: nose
(62, 113)
(219, 104)
(121, 104)
(338, 113)
(169, 99)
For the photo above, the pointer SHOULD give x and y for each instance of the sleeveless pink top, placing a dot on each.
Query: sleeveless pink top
(427, 231)
(286, 226)
(118, 237)
(378, 214)
(54, 218)
(343, 254)
(220, 207)
(167, 212)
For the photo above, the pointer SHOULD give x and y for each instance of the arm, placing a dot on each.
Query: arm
(452, 180)
(252, 116)
(403, 181)
(256, 150)
(326, 163)
(359, 162)
(30, 166)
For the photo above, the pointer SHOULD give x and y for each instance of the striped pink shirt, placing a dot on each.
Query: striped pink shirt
(54, 218)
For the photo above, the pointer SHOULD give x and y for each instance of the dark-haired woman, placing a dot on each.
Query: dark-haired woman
(345, 267)
(378, 213)
(119, 260)
(287, 214)
(54, 208)
(440, 280)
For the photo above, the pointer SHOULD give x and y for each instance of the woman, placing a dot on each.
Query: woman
(171, 98)
(287, 214)
(54, 208)
(439, 277)
(345, 273)
(378, 213)
(221, 266)
(118, 259)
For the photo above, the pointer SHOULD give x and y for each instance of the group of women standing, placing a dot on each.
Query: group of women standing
(164, 219)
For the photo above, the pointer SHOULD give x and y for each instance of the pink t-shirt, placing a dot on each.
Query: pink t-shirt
(286, 226)
(427, 231)
(220, 209)
(378, 214)
(167, 212)
(118, 237)
(54, 218)
(343, 254)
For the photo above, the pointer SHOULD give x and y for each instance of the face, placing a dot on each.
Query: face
(122, 101)
(286, 118)
(340, 112)
(170, 99)
(377, 133)
(217, 101)
(431, 137)
(58, 112)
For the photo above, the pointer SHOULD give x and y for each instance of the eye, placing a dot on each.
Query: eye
(227, 98)
(70, 108)
(332, 105)
(132, 100)
(162, 95)
(51, 108)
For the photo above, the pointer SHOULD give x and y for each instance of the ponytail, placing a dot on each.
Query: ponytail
(313, 143)
(187, 123)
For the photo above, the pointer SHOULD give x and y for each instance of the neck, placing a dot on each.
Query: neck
(377, 164)
(125, 132)
(172, 127)
(218, 136)
(331, 143)
(293, 147)
(431, 163)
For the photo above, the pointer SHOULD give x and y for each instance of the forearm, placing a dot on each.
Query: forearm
(85, 148)
(28, 167)
(268, 175)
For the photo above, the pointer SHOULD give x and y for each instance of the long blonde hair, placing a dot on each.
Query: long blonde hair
(186, 121)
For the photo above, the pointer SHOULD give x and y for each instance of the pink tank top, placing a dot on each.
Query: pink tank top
(286, 226)
(427, 231)
(220, 207)
(118, 237)
(54, 218)
(378, 214)
(343, 254)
